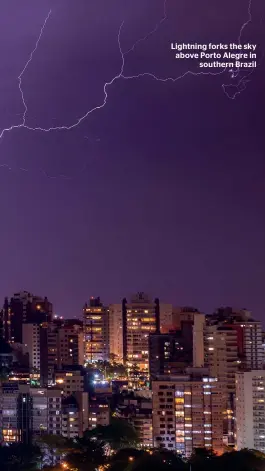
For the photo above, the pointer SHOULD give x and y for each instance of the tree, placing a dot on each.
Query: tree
(201, 459)
(87, 454)
(20, 457)
(243, 460)
(118, 434)
(124, 458)
(53, 447)
(4, 374)
(157, 461)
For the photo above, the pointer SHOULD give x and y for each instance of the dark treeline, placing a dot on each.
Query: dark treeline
(116, 448)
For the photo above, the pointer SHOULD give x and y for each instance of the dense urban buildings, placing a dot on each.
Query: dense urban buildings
(180, 378)
(48, 347)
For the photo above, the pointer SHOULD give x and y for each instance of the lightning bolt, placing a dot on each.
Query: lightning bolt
(46, 174)
(157, 26)
(232, 90)
(120, 76)
(61, 175)
(244, 25)
(75, 124)
(22, 125)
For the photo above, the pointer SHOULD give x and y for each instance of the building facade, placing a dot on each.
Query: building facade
(221, 357)
(75, 414)
(187, 412)
(170, 353)
(96, 331)
(250, 410)
(30, 412)
(23, 307)
(116, 332)
(137, 410)
(70, 345)
(141, 317)
(71, 380)
(27, 412)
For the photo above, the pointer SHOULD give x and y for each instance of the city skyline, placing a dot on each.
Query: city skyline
(174, 375)
(118, 302)
(162, 189)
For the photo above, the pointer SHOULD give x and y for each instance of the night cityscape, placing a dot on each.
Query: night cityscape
(132, 300)
(139, 377)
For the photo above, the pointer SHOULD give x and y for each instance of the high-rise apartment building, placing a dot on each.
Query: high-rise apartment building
(10, 430)
(249, 334)
(187, 412)
(162, 348)
(165, 316)
(121, 326)
(141, 317)
(75, 414)
(35, 345)
(221, 354)
(116, 332)
(71, 379)
(50, 347)
(191, 323)
(26, 412)
(96, 330)
(70, 345)
(31, 339)
(233, 341)
(198, 340)
(99, 412)
(21, 308)
(221, 357)
(170, 353)
(250, 410)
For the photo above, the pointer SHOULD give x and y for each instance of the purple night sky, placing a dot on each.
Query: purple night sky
(163, 189)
